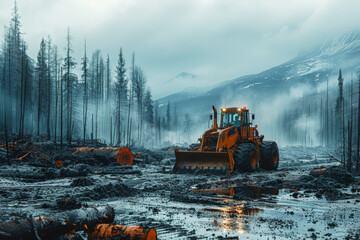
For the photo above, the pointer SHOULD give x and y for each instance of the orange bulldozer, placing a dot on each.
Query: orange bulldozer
(234, 145)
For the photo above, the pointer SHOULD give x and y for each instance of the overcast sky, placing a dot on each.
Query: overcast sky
(213, 39)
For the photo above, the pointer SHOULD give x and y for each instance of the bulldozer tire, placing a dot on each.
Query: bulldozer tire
(269, 153)
(245, 157)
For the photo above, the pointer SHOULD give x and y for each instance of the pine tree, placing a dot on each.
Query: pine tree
(84, 76)
(168, 117)
(340, 115)
(56, 66)
(149, 109)
(70, 80)
(42, 78)
(358, 135)
(139, 92)
(48, 85)
(120, 93)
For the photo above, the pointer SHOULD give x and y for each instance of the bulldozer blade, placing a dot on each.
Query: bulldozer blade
(202, 162)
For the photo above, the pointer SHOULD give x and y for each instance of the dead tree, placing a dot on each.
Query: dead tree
(61, 106)
(42, 77)
(358, 134)
(48, 87)
(85, 99)
(350, 129)
(56, 90)
(327, 113)
(69, 64)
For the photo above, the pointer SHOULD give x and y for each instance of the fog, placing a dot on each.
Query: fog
(213, 39)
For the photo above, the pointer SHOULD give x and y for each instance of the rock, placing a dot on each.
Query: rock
(335, 174)
(68, 203)
(107, 191)
(82, 182)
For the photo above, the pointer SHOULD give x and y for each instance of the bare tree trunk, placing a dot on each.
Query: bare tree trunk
(61, 107)
(92, 128)
(119, 118)
(10, 100)
(159, 132)
(24, 99)
(128, 125)
(56, 95)
(358, 136)
(39, 106)
(349, 163)
(327, 113)
(6, 139)
(21, 92)
(49, 89)
(343, 132)
(129, 142)
(110, 131)
(321, 122)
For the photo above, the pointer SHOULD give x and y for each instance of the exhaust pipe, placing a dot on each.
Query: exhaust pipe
(215, 118)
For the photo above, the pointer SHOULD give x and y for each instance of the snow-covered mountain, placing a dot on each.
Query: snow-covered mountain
(311, 70)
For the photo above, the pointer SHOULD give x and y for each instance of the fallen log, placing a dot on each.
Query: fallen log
(51, 227)
(113, 231)
(123, 156)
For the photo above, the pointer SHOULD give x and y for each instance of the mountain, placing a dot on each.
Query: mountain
(309, 70)
(178, 86)
(183, 76)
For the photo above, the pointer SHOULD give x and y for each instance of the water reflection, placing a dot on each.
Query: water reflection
(241, 192)
(233, 216)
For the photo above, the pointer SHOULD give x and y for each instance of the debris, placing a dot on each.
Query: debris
(113, 231)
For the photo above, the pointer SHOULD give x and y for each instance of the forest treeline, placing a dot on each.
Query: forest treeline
(44, 97)
(328, 118)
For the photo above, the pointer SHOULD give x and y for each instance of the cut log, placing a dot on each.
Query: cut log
(113, 231)
(51, 227)
(123, 156)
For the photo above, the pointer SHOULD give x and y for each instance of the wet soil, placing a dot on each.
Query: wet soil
(308, 197)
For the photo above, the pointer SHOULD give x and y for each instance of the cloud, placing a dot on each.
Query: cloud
(214, 39)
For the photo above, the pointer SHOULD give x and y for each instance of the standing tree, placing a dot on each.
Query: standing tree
(340, 115)
(149, 109)
(187, 125)
(69, 64)
(48, 87)
(56, 70)
(358, 134)
(41, 70)
(139, 92)
(84, 76)
(168, 117)
(120, 93)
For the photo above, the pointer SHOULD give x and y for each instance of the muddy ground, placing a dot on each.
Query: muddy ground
(309, 197)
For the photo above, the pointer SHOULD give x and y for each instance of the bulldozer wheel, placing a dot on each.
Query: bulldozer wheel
(245, 157)
(269, 152)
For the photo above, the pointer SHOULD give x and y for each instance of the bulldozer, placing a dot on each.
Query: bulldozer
(234, 145)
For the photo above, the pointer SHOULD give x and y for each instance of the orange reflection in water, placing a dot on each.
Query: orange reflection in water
(232, 218)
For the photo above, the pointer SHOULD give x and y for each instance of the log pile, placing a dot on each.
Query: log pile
(46, 227)
(96, 222)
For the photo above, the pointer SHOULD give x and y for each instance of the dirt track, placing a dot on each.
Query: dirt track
(291, 203)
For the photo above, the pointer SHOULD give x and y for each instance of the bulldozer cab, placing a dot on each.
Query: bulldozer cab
(239, 117)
